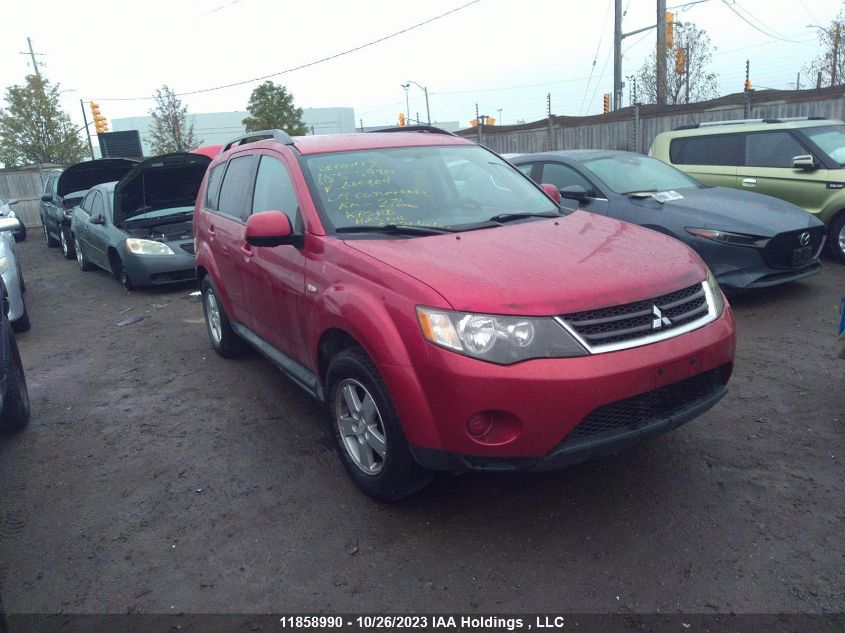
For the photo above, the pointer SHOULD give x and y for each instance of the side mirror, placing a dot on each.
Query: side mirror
(552, 191)
(10, 224)
(269, 228)
(804, 163)
(46, 197)
(576, 192)
(97, 219)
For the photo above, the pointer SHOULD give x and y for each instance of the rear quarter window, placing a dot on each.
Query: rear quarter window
(212, 190)
(705, 150)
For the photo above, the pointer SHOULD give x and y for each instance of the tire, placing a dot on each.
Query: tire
(51, 241)
(15, 413)
(67, 248)
(120, 273)
(84, 264)
(368, 435)
(20, 236)
(223, 338)
(22, 324)
(836, 237)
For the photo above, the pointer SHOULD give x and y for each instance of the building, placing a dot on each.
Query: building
(217, 128)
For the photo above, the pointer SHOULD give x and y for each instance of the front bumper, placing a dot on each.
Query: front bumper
(536, 404)
(157, 270)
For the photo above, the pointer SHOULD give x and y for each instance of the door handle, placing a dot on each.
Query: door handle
(211, 230)
(749, 182)
(247, 250)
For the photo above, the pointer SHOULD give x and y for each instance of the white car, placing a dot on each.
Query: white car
(11, 273)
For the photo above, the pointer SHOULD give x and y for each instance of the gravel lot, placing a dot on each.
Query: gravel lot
(158, 477)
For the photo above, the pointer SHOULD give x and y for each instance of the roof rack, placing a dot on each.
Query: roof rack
(415, 128)
(276, 135)
(694, 126)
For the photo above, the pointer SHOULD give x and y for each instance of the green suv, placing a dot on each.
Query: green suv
(798, 160)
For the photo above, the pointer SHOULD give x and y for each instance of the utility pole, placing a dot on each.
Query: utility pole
(661, 52)
(835, 56)
(746, 110)
(477, 123)
(32, 55)
(87, 133)
(617, 55)
(361, 122)
(798, 82)
(686, 69)
(549, 112)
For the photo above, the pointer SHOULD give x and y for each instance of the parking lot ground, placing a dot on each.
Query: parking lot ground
(157, 477)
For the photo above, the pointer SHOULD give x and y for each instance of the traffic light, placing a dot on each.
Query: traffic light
(474, 122)
(401, 119)
(606, 102)
(681, 61)
(670, 30)
(490, 121)
(100, 123)
(748, 84)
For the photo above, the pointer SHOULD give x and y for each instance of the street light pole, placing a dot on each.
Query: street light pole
(407, 103)
(425, 90)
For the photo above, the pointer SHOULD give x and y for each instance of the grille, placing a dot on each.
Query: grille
(631, 321)
(782, 250)
(648, 408)
(188, 247)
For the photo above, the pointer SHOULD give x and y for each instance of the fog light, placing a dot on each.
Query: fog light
(479, 424)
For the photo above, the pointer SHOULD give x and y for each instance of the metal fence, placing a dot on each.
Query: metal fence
(634, 128)
(25, 184)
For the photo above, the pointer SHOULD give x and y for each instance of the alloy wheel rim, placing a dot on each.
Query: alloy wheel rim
(78, 253)
(361, 426)
(212, 314)
(842, 239)
(63, 240)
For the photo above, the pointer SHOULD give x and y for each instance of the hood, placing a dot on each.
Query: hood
(161, 182)
(733, 210)
(577, 262)
(83, 176)
(208, 150)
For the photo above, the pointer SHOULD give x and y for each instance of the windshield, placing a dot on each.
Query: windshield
(830, 139)
(630, 173)
(420, 186)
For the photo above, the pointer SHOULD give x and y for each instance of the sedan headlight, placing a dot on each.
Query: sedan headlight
(147, 247)
(718, 299)
(740, 239)
(498, 339)
(4, 264)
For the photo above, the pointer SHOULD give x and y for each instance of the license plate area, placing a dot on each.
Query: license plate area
(802, 256)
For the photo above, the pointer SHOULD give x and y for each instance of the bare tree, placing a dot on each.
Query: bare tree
(691, 81)
(171, 131)
(828, 68)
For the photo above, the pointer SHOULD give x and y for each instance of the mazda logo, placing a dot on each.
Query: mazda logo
(804, 238)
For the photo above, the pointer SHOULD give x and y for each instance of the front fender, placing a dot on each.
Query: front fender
(204, 260)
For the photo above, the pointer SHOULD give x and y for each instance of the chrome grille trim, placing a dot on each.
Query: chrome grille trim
(649, 338)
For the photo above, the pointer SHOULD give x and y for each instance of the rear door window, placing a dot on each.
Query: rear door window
(705, 150)
(274, 189)
(771, 149)
(236, 190)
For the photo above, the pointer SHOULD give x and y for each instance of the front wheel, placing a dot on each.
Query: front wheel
(836, 235)
(67, 249)
(223, 338)
(121, 274)
(367, 432)
(15, 413)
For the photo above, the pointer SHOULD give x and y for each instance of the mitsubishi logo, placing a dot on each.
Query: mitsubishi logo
(659, 320)
(804, 238)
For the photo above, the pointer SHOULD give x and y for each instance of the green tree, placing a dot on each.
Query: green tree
(828, 68)
(271, 107)
(171, 131)
(697, 49)
(35, 129)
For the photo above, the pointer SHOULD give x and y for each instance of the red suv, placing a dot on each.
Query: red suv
(446, 311)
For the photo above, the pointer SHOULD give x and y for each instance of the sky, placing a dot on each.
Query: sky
(503, 55)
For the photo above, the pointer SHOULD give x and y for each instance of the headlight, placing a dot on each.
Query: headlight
(147, 247)
(740, 239)
(716, 295)
(498, 339)
(4, 264)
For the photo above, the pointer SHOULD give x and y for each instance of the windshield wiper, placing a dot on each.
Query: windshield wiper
(508, 217)
(640, 194)
(395, 229)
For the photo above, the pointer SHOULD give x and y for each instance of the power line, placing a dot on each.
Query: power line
(730, 5)
(596, 56)
(307, 65)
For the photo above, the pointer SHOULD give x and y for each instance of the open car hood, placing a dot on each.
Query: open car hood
(162, 182)
(83, 176)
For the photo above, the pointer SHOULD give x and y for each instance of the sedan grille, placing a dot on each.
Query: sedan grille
(627, 325)
(648, 408)
(794, 249)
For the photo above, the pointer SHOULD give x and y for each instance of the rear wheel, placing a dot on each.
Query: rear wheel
(51, 241)
(367, 432)
(224, 340)
(15, 413)
(836, 237)
(84, 264)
